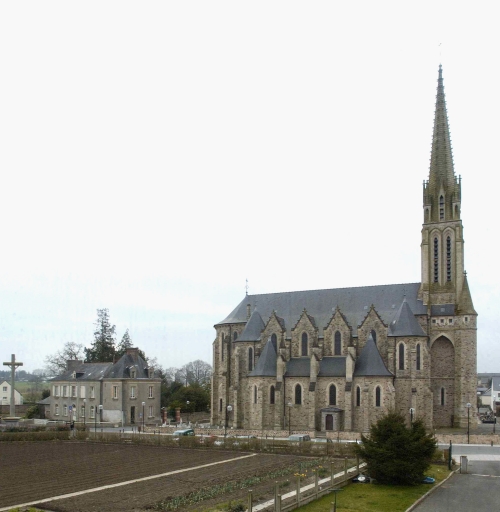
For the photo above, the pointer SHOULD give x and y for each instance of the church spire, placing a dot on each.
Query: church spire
(441, 168)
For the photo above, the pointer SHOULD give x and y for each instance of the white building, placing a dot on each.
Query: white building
(5, 395)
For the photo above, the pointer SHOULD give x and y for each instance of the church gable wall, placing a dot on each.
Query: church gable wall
(373, 322)
(304, 326)
(336, 324)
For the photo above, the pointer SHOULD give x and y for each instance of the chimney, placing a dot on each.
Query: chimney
(134, 352)
(72, 364)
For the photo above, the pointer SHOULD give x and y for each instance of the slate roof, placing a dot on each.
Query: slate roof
(98, 371)
(405, 323)
(266, 365)
(370, 363)
(332, 367)
(254, 327)
(354, 303)
(298, 367)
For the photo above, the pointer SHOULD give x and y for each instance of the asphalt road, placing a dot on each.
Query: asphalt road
(478, 489)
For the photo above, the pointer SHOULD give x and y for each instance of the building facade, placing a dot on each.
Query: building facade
(6, 392)
(339, 359)
(125, 392)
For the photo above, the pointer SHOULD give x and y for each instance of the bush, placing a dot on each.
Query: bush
(396, 454)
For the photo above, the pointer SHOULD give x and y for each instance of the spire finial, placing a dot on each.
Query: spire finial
(246, 287)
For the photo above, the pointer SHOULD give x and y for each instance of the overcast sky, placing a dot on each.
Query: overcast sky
(154, 155)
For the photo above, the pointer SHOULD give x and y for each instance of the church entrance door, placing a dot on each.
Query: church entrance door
(329, 422)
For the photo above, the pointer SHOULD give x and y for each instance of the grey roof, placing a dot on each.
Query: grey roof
(298, 367)
(85, 371)
(45, 401)
(495, 383)
(96, 371)
(370, 363)
(332, 367)
(405, 323)
(266, 365)
(354, 303)
(443, 309)
(254, 327)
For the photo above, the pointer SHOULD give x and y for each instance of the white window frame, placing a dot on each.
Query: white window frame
(92, 391)
(56, 410)
(73, 391)
(92, 411)
(65, 410)
(133, 390)
(151, 411)
(150, 392)
(115, 392)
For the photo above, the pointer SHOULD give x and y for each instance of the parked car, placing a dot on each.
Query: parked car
(299, 438)
(321, 440)
(184, 432)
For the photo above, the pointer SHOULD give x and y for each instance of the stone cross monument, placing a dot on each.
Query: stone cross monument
(13, 365)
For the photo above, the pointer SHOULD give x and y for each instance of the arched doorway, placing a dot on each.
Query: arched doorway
(443, 381)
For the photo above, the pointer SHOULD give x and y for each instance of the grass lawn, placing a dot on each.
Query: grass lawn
(377, 498)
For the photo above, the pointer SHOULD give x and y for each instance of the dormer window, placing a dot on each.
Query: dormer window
(133, 373)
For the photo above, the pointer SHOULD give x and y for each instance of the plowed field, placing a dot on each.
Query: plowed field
(35, 472)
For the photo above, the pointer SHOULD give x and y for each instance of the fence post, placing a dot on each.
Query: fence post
(298, 490)
(332, 473)
(277, 508)
(249, 504)
(276, 490)
(345, 468)
(316, 475)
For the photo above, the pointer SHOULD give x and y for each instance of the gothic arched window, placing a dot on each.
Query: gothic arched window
(303, 351)
(401, 363)
(274, 341)
(442, 397)
(337, 348)
(448, 258)
(333, 395)
(374, 336)
(271, 395)
(436, 260)
(255, 394)
(358, 396)
(298, 394)
(378, 394)
(418, 356)
(235, 336)
(250, 359)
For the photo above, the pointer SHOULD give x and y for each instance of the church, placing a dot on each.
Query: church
(339, 359)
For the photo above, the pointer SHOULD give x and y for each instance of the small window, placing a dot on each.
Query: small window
(56, 410)
(358, 396)
(298, 394)
(401, 365)
(333, 395)
(235, 336)
(418, 356)
(92, 392)
(151, 411)
(337, 349)
(450, 320)
(441, 208)
(250, 359)
(220, 404)
(92, 411)
(255, 394)
(150, 392)
(133, 391)
(115, 392)
(443, 396)
(82, 411)
(441, 320)
(433, 320)
(65, 410)
(133, 373)
(272, 395)
(436, 260)
(378, 393)
(304, 344)
(466, 319)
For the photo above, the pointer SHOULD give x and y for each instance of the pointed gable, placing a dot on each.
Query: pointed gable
(254, 327)
(370, 363)
(405, 323)
(266, 365)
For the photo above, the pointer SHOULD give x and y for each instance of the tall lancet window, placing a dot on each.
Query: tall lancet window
(441, 208)
(274, 341)
(436, 260)
(448, 258)
(304, 344)
(337, 349)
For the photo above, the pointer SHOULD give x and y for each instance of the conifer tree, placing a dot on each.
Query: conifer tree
(103, 347)
(395, 453)
(124, 344)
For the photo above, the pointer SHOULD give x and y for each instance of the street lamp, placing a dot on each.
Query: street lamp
(468, 405)
(290, 405)
(229, 408)
(412, 412)
(187, 410)
(143, 404)
(84, 412)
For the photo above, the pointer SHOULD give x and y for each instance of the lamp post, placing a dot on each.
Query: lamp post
(229, 408)
(412, 412)
(143, 404)
(289, 405)
(187, 410)
(84, 412)
(95, 419)
(468, 405)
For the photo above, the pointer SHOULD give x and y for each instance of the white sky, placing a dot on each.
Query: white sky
(154, 155)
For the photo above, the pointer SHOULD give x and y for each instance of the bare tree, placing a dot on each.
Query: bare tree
(195, 372)
(55, 364)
